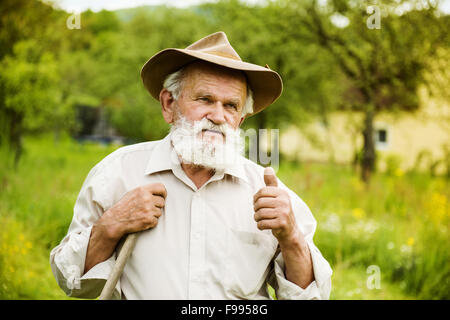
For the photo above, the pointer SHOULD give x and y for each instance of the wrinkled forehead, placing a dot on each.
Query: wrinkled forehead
(202, 71)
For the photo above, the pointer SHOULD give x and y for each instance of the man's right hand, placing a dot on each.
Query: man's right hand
(138, 210)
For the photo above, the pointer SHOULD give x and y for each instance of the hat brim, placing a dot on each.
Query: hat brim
(265, 83)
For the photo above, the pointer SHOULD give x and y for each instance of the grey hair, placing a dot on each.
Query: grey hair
(174, 82)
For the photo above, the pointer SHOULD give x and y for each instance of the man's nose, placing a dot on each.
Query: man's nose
(217, 114)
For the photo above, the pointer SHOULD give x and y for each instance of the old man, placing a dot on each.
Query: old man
(211, 224)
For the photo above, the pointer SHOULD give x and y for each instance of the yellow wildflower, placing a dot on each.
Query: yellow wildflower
(358, 213)
(28, 245)
(410, 241)
(399, 172)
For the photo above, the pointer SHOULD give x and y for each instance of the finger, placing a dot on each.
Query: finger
(267, 224)
(158, 201)
(270, 179)
(266, 192)
(158, 189)
(151, 222)
(157, 212)
(264, 214)
(264, 202)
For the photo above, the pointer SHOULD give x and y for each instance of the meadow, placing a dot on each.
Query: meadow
(388, 240)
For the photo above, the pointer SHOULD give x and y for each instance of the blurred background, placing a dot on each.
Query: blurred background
(364, 123)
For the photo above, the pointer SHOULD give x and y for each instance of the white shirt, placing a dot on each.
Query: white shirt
(206, 244)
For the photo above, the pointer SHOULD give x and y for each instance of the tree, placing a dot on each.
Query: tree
(383, 66)
(29, 97)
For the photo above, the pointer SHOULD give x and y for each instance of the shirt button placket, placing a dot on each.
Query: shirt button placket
(196, 248)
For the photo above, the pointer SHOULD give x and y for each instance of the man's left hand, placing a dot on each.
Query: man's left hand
(273, 209)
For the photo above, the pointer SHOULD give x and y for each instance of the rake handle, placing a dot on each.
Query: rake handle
(116, 272)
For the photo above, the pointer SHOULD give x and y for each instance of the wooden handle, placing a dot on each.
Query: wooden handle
(116, 272)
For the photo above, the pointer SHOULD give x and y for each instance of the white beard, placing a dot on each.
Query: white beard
(194, 149)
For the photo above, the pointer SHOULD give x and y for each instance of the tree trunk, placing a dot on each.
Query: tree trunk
(15, 136)
(368, 156)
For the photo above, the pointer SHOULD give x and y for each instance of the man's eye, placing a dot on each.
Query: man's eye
(204, 99)
(233, 106)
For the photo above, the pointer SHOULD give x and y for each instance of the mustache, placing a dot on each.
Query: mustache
(206, 124)
(199, 125)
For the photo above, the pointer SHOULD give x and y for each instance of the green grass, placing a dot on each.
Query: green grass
(351, 284)
(400, 223)
(36, 205)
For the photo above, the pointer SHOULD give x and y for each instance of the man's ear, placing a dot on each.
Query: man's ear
(167, 105)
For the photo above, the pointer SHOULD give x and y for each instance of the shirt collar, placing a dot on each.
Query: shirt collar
(161, 158)
(237, 170)
(164, 157)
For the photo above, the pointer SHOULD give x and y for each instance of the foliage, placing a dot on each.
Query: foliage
(384, 67)
(30, 92)
(29, 96)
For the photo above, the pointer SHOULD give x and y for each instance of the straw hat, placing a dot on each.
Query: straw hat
(266, 84)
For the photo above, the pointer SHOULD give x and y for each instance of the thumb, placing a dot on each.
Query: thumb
(270, 178)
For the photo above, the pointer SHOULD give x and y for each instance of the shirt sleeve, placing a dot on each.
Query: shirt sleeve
(68, 258)
(320, 288)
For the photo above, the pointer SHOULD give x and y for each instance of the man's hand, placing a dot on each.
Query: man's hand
(273, 209)
(138, 210)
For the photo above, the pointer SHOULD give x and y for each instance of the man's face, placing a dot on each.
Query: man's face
(207, 115)
(215, 93)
